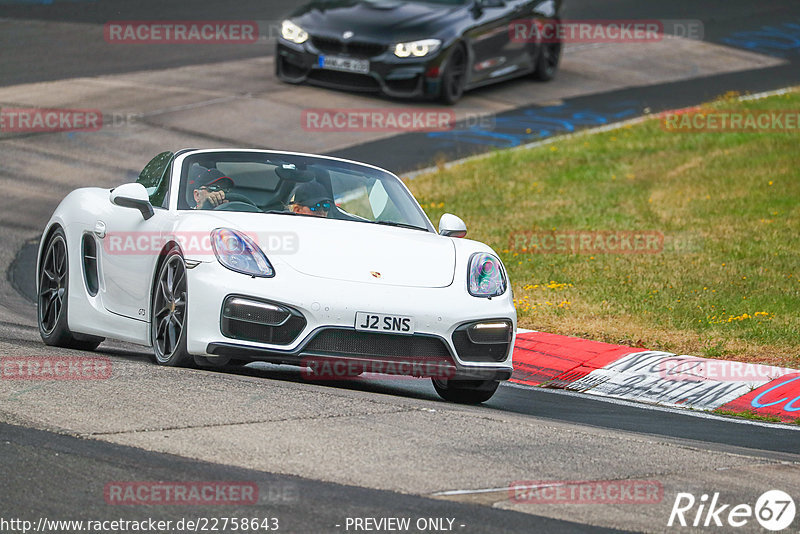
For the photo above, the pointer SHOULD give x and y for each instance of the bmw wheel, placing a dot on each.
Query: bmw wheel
(547, 64)
(454, 77)
(53, 295)
(168, 324)
(465, 391)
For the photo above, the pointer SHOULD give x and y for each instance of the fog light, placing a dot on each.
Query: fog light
(490, 332)
(254, 311)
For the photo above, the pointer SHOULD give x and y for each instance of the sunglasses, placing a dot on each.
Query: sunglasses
(323, 206)
(215, 188)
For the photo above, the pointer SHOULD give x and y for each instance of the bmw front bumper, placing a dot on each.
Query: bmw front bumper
(388, 74)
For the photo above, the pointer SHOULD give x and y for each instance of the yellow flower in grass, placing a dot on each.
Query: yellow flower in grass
(558, 285)
(738, 318)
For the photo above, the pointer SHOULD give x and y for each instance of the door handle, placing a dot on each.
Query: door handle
(100, 229)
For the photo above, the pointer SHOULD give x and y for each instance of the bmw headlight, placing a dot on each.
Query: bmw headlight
(486, 276)
(417, 48)
(292, 32)
(239, 253)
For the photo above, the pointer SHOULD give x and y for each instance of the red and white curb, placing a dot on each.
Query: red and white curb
(622, 372)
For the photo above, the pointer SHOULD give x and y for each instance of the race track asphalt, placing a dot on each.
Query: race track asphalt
(322, 452)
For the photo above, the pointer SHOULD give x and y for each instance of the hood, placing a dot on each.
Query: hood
(343, 250)
(376, 20)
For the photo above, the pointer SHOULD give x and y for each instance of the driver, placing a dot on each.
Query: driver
(311, 198)
(210, 188)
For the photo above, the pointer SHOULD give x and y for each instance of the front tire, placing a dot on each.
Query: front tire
(465, 391)
(53, 295)
(547, 64)
(169, 313)
(454, 77)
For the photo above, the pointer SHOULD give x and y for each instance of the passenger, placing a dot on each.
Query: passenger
(311, 198)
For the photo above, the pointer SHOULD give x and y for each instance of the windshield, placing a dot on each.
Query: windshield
(291, 184)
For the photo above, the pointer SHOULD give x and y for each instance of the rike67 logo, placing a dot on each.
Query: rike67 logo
(774, 510)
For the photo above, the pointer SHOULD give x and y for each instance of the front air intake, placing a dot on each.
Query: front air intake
(351, 343)
(483, 341)
(260, 321)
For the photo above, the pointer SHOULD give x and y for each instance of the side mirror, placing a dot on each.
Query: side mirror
(452, 226)
(132, 196)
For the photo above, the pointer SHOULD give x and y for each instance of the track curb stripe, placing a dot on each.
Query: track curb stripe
(664, 378)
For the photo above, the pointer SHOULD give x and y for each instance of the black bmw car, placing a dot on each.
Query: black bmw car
(425, 48)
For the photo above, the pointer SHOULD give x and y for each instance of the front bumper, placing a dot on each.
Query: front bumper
(388, 74)
(328, 308)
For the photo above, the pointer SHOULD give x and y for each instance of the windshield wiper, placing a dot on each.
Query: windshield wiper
(400, 225)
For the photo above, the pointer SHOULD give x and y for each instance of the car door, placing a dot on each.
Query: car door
(131, 245)
(495, 54)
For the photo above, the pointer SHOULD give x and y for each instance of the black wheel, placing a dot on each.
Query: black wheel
(547, 64)
(168, 324)
(53, 296)
(454, 77)
(465, 391)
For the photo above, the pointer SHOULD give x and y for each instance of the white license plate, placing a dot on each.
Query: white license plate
(345, 64)
(379, 322)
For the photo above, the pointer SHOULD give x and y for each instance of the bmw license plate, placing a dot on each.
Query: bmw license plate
(379, 322)
(345, 64)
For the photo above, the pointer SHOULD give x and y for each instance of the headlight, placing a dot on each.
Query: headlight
(292, 32)
(239, 253)
(486, 276)
(417, 48)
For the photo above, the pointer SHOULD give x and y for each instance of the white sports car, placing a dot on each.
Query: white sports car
(228, 256)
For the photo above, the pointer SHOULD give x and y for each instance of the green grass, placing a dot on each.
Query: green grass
(727, 283)
(750, 414)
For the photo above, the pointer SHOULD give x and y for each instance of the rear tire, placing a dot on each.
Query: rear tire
(169, 313)
(53, 296)
(465, 391)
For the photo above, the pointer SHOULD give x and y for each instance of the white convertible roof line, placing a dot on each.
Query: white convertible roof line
(287, 152)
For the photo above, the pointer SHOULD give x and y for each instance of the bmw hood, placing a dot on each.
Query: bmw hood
(345, 250)
(376, 20)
